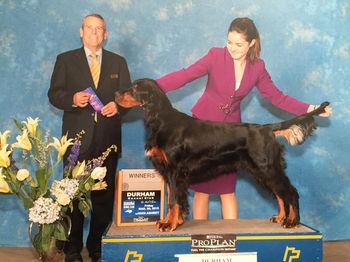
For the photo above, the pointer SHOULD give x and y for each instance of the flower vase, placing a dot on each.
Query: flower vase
(53, 253)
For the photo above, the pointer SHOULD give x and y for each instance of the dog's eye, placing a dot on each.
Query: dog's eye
(141, 95)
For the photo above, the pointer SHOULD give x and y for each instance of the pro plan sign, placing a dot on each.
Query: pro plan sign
(139, 197)
(213, 243)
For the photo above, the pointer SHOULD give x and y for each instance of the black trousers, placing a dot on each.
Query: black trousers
(102, 208)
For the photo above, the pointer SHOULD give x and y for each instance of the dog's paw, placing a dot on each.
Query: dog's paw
(166, 226)
(288, 223)
(277, 219)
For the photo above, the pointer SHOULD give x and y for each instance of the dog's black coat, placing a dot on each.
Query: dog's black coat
(187, 150)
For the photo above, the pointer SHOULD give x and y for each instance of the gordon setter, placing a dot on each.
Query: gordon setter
(187, 150)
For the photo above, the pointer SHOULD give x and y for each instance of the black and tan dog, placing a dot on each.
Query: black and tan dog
(187, 150)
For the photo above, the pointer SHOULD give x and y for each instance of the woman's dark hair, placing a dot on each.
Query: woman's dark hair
(246, 26)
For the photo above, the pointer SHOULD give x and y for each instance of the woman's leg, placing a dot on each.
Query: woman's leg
(229, 206)
(200, 205)
(224, 186)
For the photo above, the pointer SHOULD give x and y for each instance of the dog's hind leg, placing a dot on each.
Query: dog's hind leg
(279, 218)
(275, 179)
(293, 218)
(288, 203)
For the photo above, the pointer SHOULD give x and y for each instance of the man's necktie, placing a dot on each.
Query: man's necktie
(95, 69)
(95, 73)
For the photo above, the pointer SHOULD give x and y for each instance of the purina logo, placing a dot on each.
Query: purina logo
(213, 243)
(133, 256)
(291, 254)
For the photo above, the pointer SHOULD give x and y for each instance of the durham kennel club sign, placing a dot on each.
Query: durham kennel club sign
(139, 198)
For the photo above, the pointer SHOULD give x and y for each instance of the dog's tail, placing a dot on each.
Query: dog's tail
(297, 129)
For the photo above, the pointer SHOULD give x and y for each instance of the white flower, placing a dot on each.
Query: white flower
(61, 145)
(79, 169)
(44, 211)
(4, 187)
(66, 186)
(101, 185)
(22, 174)
(23, 141)
(4, 157)
(63, 199)
(3, 138)
(31, 125)
(99, 173)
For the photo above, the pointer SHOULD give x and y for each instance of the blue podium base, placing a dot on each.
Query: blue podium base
(254, 237)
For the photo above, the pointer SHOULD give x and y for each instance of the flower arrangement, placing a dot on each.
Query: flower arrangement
(32, 178)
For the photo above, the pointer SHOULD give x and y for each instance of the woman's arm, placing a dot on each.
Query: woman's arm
(268, 89)
(179, 78)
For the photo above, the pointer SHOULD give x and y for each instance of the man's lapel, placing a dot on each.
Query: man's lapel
(106, 63)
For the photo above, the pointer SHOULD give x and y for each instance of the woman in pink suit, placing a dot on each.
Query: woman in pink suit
(232, 73)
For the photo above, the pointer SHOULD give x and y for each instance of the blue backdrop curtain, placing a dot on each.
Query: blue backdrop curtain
(305, 45)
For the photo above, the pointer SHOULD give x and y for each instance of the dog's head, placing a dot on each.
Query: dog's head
(143, 92)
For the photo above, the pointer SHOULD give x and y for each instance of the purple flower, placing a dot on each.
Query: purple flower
(13, 164)
(73, 156)
(96, 162)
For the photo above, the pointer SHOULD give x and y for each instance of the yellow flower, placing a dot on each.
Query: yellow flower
(31, 125)
(3, 138)
(4, 157)
(23, 141)
(4, 187)
(63, 199)
(22, 174)
(99, 173)
(78, 170)
(101, 185)
(61, 145)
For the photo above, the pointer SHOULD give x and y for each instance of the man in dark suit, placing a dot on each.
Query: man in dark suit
(71, 75)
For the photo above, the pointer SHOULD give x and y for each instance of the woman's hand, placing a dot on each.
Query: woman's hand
(327, 113)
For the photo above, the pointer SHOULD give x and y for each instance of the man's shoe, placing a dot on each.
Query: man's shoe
(73, 257)
(96, 257)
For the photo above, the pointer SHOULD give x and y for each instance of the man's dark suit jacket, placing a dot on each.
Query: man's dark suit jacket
(72, 74)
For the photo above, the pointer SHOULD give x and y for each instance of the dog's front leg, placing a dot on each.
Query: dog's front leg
(172, 221)
(167, 218)
(174, 216)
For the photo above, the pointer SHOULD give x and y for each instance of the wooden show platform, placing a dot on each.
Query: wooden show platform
(257, 238)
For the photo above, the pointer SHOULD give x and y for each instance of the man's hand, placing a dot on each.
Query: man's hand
(81, 99)
(110, 109)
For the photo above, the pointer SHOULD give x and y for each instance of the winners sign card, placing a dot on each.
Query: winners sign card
(139, 197)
